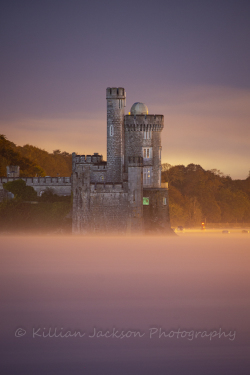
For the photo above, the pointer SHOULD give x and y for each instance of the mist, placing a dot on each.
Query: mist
(53, 287)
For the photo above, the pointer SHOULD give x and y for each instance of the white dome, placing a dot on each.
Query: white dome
(139, 109)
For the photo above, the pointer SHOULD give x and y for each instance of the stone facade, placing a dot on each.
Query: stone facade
(124, 194)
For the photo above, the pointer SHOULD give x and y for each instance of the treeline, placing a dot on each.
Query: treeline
(54, 164)
(34, 161)
(9, 155)
(197, 195)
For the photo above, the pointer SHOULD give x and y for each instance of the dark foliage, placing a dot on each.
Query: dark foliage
(29, 213)
(18, 216)
(33, 161)
(198, 195)
(9, 155)
(20, 190)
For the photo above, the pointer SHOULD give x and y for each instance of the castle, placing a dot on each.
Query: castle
(123, 194)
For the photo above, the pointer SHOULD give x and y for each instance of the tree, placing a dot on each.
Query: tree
(9, 155)
(49, 196)
(173, 175)
(20, 190)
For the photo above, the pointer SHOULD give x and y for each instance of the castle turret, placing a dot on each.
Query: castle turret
(116, 101)
(143, 137)
(13, 170)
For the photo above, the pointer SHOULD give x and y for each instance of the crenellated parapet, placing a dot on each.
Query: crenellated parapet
(115, 93)
(59, 185)
(37, 181)
(144, 122)
(87, 159)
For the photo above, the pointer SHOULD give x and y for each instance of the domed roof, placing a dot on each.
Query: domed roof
(139, 109)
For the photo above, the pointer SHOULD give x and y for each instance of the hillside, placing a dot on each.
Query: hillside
(54, 164)
(198, 195)
(9, 155)
(33, 161)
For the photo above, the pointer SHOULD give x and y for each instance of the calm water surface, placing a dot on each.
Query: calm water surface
(142, 305)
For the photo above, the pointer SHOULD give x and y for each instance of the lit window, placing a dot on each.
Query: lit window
(145, 201)
(164, 201)
(147, 173)
(147, 152)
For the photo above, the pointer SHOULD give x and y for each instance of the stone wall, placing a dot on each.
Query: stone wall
(99, 207)
(109, 211)
(156, 214)
(59, 185)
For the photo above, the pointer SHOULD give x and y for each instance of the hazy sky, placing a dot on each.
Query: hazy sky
(188, 60)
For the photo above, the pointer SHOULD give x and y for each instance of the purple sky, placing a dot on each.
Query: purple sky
(188, 60)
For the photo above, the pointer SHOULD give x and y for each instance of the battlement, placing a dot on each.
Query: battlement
(135, 161)
(144, 122)
(87, 159)
(59, 185)
(31, 181)
(115, 93)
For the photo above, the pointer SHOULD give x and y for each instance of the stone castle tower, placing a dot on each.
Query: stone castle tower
(124, 194)
(116, 102)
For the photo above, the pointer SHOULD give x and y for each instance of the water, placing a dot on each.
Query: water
(58, 286)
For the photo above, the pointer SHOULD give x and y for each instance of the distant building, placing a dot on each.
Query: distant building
(124, 194)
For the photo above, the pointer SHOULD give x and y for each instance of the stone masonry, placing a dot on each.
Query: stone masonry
(59, 185)
(123, 195)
